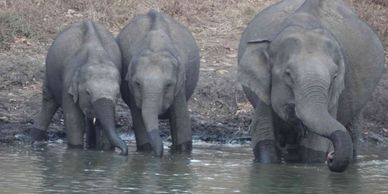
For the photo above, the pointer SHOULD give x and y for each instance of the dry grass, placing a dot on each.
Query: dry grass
(375, 13)
(215, 24)
(11, 26)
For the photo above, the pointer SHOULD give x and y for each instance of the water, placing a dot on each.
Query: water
(210, 169)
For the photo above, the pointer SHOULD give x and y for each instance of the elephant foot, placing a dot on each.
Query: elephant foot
(186, 147)
(38, 135)
(343, 151)
(144, 147)
(265, 152)
(156, 142)
(70, 146)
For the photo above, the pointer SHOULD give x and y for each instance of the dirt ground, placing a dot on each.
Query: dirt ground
(220, 112)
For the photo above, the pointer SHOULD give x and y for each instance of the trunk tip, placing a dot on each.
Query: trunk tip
(343, 151)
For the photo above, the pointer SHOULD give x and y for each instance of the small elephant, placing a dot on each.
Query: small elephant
(83, 68)
(160, 71)
(308, 67)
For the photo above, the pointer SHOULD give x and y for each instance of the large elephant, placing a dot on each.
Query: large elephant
(160, 71)
(308, 67)
(83, 68)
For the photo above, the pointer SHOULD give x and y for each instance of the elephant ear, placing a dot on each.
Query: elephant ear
(73, 87)
(339, 82)
(254, 70)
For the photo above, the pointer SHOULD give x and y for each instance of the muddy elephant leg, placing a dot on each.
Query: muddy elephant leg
(74, 122)
(314, 148)
(48, 109)
(180, 124)
(263, 135)
(142, 141)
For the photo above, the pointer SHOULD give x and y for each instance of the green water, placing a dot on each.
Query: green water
(210, 169)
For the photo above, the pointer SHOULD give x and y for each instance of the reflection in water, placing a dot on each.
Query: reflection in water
(221, 170)
(302, 179)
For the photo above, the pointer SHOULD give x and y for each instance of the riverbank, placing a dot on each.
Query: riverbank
(220, 112)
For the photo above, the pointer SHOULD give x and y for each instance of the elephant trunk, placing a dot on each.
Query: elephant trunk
(105, 113)
(150, 111)
(311, 108)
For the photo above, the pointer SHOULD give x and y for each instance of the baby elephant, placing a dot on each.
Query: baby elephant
(160, 72)
(83, 68)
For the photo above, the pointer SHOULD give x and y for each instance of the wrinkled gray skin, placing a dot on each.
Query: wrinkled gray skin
(308, 67)
(160, 72)
(83, 67)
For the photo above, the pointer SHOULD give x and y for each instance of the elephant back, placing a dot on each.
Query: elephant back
(363, 53)
(362, 49)
(268, 23)
(132, 38)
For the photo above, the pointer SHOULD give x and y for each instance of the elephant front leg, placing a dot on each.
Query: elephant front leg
(49, 107)
(180, 124)
(354, 129)
(74, 123)
(263, 137)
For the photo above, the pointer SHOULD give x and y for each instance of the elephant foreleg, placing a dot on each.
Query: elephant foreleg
(49, 107)
(263, 136)
(354, 129)
(180, 124)
(74, 122)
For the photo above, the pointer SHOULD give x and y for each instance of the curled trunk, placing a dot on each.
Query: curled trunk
(312, 109)
(105, 113)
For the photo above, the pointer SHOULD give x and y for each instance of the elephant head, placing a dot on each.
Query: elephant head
(300, 74)
(95, 87)
(153, 80)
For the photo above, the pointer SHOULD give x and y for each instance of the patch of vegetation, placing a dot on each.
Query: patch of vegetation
(12, 25)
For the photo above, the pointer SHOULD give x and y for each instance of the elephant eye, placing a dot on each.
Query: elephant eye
(87, 92)
(289, 77)
(137, 84)
(335, 76)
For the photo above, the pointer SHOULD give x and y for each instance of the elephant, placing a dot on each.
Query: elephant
(308, 67)
(160, 61)
(83, 68)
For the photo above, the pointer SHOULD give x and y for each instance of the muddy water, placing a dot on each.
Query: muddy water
(210, 169)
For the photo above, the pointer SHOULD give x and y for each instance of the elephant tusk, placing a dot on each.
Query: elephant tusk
(94, 120)
(330, 156)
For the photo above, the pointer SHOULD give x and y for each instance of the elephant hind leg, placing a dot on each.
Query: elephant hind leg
(48, 109)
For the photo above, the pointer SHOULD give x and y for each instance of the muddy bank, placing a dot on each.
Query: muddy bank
(220, 112)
